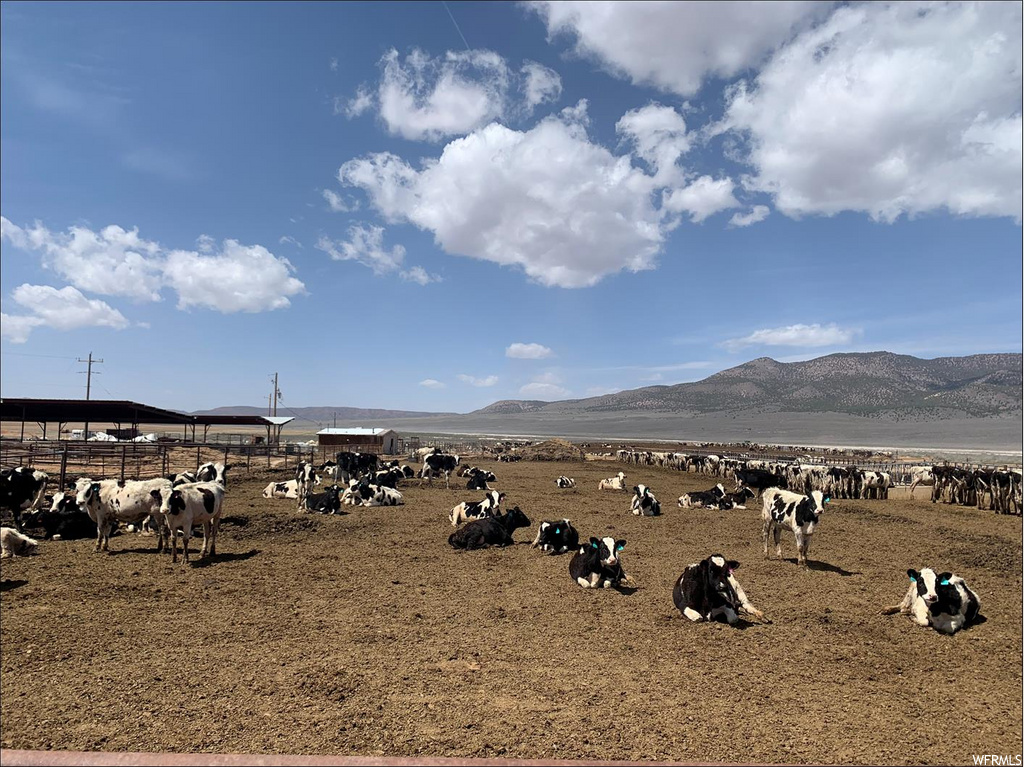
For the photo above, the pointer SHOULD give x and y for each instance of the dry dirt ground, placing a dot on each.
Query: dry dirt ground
(367, 634)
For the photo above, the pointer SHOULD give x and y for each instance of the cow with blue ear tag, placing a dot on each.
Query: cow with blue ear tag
(556, 537)
(943, 601)
(598, 565)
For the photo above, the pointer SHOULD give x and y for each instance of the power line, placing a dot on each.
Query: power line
(456, 24)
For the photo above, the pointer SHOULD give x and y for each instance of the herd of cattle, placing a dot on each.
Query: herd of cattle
(793, 497)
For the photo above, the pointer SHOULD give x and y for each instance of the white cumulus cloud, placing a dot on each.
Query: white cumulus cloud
(421, 97)
(755, 215)
(543, 390)
(61, 309)
(473, 381)
(118, 262)
(237, 278)
(890, 109)
(676, 46)
(111, 262)
(432, 383)
(548, 200)
(528, 351)
(339, 204)
(702, 198)
(794, 335)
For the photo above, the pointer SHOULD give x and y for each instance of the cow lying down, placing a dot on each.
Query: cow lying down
(943, 601)
(15, 544)
(556, 537)
(489, 531)
(708, 591)
(597, 564)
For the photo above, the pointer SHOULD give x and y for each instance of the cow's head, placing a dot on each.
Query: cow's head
(516, 518)
(640, 491)
(88, 494)
(718, 571)
(607, 550)
(931, 587)
(173, 502)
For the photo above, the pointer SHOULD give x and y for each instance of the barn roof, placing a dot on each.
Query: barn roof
(118, 411)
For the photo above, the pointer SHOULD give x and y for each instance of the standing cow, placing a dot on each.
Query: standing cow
(799, 513)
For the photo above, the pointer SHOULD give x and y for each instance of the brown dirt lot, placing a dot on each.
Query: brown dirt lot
(367, 634)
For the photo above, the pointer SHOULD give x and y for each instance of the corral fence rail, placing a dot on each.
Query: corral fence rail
(69, 460)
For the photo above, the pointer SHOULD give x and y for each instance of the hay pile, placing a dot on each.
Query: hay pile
(553, 450)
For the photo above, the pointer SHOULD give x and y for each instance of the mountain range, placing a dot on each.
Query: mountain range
(864, 384)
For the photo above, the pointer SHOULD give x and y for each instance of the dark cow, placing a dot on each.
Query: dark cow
(737, 499)
(759, 479)
(63, 520)
(556, 537)
(489, 531)
(21, 489)
(597, 565)
(182, 478)
(942, 601)
(799, 513)
(708, 591)
(355, 464)
(327, 502)
(703, 498)
(437, 464)
(565, 482)
(478, 480)
(388, 477)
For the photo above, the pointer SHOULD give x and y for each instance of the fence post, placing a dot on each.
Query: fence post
(63, 467)
(226, 448)
(124, 453)
(248, 458)
(198, 448)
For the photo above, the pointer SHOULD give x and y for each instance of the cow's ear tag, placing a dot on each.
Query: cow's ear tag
(620, 547)
(594, 545)
(913, 579)
(557, 530)
(944, 583)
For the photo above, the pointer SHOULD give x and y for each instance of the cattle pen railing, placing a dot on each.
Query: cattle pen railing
(68, 460)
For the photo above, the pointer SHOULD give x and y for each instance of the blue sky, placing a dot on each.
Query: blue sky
(431, 207)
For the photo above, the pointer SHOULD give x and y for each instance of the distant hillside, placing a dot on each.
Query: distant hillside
(879, 384)
(324, 415)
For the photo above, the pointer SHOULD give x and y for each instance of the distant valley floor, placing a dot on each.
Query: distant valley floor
(998, 435)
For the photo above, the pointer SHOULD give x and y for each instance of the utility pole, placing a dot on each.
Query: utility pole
(335, 419)
(274, 397)
(88, 387)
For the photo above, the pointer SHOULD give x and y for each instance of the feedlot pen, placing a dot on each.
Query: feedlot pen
(366, 633)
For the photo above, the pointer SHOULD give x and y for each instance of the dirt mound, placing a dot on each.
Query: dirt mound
(553, 450)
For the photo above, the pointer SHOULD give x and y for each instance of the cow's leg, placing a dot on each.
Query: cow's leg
(692, 614)
(215, 527)
(803, 541)
(765, 531)
(186, 534)
(174, 545)
(206, 538)
(777, 534)
(17, 520)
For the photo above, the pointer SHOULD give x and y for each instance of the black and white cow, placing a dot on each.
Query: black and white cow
(708, 591)
(182, 478)
(490, 506)
(556, 537)
(289, 489)
(327, 502)
(703, 498)
(797, 512)
(597, 565)
(437, 464)
(489, 531)
(22, 489)
(63, 520)
(328, 469)
(565, 482)
(644, 503)
(305, 477)
(187, 505)
(15, 544)
(383, 496)
(111, 500)
(942, 601)
(213, 472)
